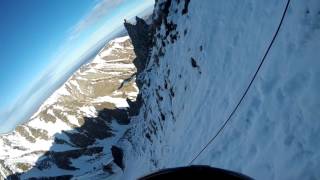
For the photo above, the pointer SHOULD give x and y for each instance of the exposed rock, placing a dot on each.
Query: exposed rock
(108, 168)
(117, 154)
(141, 37)
(62, 159)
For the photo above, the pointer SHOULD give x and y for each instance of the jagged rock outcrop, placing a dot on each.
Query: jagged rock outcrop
(141, 36)
(117, 154)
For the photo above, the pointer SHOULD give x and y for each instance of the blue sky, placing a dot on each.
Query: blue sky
(43, 41)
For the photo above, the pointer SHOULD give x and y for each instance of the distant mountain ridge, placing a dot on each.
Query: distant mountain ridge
(62, 118)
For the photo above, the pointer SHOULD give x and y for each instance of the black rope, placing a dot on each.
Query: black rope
(247, 89)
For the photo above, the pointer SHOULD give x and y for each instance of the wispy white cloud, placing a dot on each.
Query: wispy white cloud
(99, 11)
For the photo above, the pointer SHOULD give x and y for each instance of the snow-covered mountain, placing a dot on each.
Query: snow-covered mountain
(230, 84)
(67, 132)
(204, 57)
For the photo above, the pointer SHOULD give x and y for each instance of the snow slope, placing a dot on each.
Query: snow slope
(204, 56)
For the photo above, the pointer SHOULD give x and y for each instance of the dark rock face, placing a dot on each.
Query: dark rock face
(134, 106)
(117, 154)
(120, 115)
(141, 38)
(95, 128)
(108, 168)
(185, 9)
(141, 35)
(62, 159)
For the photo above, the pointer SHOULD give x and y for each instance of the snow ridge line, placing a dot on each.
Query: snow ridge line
(248, 87)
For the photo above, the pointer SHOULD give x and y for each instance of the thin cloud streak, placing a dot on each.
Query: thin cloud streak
(99, 11)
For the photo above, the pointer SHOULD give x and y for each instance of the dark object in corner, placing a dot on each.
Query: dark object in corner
(195, 172)
(117, 155)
